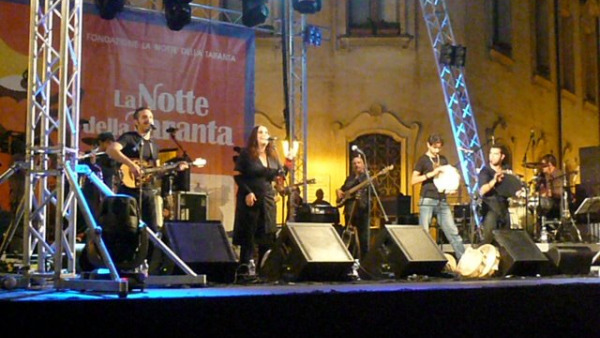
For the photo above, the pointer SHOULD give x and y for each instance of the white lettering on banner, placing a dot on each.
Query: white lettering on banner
(117, 41)
(166, 48)
(182, 102)
(220, 56)
(209, 133)
(111, 124)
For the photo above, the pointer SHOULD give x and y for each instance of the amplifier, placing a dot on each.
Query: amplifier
(318, 213)
(190, 206)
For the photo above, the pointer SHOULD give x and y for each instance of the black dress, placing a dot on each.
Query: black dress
(255, 224)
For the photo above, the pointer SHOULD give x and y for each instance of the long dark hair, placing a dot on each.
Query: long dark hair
(252, 145)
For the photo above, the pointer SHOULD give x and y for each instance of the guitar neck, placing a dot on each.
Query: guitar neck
(149, 171)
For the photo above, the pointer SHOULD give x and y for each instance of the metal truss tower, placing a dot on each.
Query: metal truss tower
(456, 97)
(52, 133)
(297, 96)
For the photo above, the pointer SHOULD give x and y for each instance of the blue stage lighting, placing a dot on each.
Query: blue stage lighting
(312, 35)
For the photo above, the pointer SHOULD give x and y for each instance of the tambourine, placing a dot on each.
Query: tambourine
(479, 263)
(509, 185)
(448, 180)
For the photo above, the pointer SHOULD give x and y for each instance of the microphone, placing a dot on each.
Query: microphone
(272, 138)
(355, 148)
(152, 127)
(465, 150)
(532, 136)
(172, 130)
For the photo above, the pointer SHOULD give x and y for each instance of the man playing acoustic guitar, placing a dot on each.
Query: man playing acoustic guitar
(126, 150)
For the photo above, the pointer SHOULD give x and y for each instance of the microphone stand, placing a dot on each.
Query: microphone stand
(186, 157)
(140, 145)
(475, 199)
(385, 216)
(527, 149)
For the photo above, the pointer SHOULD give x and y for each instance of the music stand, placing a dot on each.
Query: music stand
(588, 206)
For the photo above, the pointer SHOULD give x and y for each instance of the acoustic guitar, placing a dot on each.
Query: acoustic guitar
(130, 181)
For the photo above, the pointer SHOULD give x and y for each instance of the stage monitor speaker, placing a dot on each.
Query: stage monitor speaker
(518, 253)
(308, 251)
(571, 260)
(204, 247)
(190, 206)
(403, 250)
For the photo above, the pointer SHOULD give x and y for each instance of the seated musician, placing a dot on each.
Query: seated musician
(495, 206)
(551, 187)
(320, 194)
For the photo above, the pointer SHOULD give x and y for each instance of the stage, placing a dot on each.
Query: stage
(412, 306)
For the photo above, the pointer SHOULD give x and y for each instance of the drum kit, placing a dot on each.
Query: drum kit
(530, 210)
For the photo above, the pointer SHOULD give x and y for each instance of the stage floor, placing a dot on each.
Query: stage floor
(448, 305)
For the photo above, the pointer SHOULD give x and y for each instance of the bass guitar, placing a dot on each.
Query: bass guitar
(348, 194)
(130, 181)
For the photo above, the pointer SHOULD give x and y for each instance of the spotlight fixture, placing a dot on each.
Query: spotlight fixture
(307, 6)
(254, 12)
(109, 9)
(451, 55)
(312, 35)
(178, 13)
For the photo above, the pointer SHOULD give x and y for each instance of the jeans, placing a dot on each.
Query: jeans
(429, 206)
(496, 217)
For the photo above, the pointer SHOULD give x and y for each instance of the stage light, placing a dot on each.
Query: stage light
(312, 35)
(254, 12)
(178, 13)
(290, 151)
(446, 54)
(109, 9)
(460, 56)
(453, 55)
(307, 6)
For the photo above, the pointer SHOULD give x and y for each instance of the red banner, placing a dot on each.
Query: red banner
(199, 80)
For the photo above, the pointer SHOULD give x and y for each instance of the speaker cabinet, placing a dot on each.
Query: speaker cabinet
(307, 251)
(190, 206)
(204, 247)
(403, 250)
(518, 253)
(571, 260)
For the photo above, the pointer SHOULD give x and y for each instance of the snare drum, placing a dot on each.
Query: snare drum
(448, 180)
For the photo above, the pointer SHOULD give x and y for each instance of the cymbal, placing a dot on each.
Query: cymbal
(90, 141)
(534, 165)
